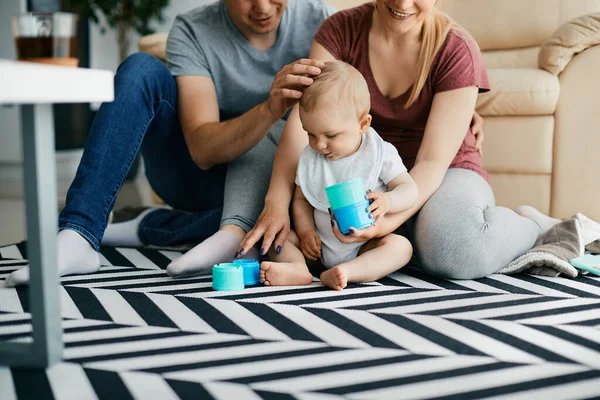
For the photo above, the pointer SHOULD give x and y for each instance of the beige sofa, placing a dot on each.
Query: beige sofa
(542, 117)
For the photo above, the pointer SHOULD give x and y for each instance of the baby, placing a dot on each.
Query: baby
(334, 110)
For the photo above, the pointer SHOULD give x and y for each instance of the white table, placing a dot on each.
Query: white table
(35, 87)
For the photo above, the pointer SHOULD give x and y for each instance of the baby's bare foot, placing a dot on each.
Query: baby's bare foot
(284, 274)
(335, 278)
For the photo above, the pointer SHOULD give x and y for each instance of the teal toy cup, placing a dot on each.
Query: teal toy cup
(354, 215)
(346, 193)
(228, 277)
(251, 271)
(349, 205)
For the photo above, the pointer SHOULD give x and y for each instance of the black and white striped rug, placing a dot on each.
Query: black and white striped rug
(132, 332)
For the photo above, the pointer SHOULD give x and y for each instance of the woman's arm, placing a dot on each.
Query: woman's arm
(273, 224)
(449, 119)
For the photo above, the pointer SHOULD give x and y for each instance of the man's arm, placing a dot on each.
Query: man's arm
(211, 141)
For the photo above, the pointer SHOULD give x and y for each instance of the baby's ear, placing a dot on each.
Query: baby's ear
(365, 123)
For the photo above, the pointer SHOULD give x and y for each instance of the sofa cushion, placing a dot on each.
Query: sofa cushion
(519, 92)
(506, 24)
(519, 144)
(526, 57)
(568, 40)
(512, 190)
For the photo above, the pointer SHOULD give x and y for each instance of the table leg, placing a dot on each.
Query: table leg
(40, 207)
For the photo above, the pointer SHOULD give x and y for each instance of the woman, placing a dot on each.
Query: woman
(424, 75)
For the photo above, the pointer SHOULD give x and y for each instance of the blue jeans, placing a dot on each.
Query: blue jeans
(143, 116)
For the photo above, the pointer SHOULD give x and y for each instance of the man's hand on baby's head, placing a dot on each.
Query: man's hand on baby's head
(380, 204)
(289, 83)
(310, 245)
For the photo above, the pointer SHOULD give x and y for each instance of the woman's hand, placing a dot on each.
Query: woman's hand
(477, 131)
(289, 84)
(273, 226)
(310, 245)
(380, 205)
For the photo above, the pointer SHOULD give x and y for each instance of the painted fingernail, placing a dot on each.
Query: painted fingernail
(262, 252)
(332, 224)
(236, 254)
(351, 230)
(241, 252)
(278, 249)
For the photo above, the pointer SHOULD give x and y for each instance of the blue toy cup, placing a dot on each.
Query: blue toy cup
(228, 277)
(346, 193)
(251, 271)
(354, 215)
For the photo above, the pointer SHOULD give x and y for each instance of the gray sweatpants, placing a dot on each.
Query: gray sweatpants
(460, 233)
(248, 180)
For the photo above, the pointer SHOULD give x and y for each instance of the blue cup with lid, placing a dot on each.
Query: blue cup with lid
(354, 215)
(349, 205)
(228, 277)
(251, 271)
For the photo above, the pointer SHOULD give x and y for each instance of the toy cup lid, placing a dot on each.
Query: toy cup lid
(228, 277)
(346, 193)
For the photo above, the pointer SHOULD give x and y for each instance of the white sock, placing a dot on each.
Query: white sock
(544, 221)
(218, 248)
(75, 255)
(125, 233)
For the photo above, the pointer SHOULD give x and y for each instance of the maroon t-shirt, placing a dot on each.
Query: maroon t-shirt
(458, 64)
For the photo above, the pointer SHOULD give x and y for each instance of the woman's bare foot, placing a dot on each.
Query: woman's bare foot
(335, 278)
(284, 274)
(545, 222)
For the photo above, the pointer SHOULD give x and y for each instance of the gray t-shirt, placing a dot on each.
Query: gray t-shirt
(205, 42)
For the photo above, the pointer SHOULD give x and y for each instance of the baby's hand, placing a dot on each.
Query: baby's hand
(310, 245)
(380, 205)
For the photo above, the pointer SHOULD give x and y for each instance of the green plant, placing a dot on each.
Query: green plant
(123, 16)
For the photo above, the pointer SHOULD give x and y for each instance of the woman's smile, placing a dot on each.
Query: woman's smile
(399, 15)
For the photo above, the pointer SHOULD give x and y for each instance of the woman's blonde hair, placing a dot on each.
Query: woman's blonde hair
(433, 34)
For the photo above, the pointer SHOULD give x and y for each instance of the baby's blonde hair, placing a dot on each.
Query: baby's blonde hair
(340, 84)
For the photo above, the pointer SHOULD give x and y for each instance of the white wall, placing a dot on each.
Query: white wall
(104, 53)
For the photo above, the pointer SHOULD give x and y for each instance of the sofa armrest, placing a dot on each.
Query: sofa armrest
(570, 39)
(576, 163)
(155, 44)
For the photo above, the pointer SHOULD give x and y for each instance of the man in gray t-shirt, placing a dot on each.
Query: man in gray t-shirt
(237, 76)
(215, 115)
(207, 42)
